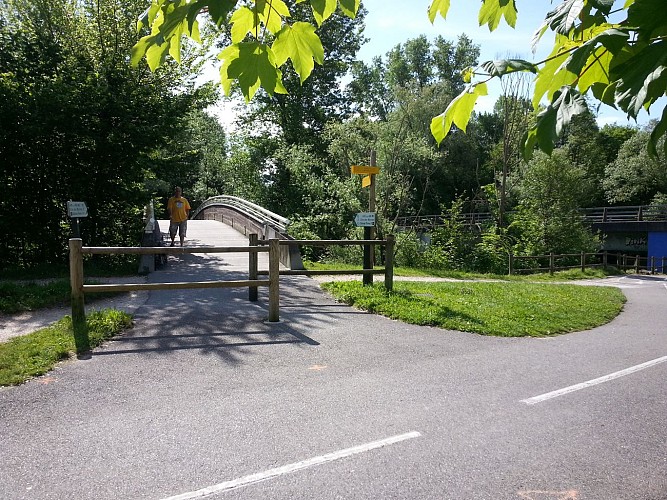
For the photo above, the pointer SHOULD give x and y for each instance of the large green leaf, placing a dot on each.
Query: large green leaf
(299, 43)
(642, 78)
(551, 121)
(506, 66)
(563, 18)
(349, 7)
(272, 12)
(458, 112)
(554, 73)
(650, 18)
(322, 9)
(492, 11)
(243, 21)
(438, 6)
(220, 9)
(252, 64)
(658, 131)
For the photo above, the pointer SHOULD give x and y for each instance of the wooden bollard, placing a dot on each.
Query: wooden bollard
(274, 280)
(252, 268)
(389, 263)
(79, 326)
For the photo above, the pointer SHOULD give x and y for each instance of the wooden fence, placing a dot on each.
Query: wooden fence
(79, 289)
(368, 273)
(272, 246)
(561, 262)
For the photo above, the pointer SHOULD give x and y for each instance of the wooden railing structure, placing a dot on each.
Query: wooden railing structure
(256, 246)
(652, 265)
(79, 289)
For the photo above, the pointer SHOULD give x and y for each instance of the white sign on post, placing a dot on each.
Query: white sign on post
(77, 209)
(365, 219)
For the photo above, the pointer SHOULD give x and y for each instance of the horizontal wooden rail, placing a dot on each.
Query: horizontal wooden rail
(131, 287)
(168, 250)
(324, 243)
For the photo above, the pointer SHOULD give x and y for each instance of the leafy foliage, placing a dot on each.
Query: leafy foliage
(262, 37)
(620, 57)
(71, 129)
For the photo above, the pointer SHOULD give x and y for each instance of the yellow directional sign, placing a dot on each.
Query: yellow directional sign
(366, 181)
(363, 169)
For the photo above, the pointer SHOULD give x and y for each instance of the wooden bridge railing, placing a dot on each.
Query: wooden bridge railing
(77, 251)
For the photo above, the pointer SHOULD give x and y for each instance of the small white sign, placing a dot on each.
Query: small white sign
(77, 209)
(365, 219)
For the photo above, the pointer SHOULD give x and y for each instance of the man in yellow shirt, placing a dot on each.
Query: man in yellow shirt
(178, 208)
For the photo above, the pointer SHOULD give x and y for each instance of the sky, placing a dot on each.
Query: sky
(391, 22)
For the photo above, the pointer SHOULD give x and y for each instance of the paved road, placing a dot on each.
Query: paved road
(334, 403)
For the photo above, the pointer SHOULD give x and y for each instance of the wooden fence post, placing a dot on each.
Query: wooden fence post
(583, 262)
(552, 263)
(624, 260)
(652, 264)
(604, 259)
(636, 264)
(253, 258)
(389, 263)
(511, 264)
(274, 280)
(79, 326)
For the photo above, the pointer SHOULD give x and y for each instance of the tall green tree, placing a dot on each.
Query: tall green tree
(71, 129)
(635, 177)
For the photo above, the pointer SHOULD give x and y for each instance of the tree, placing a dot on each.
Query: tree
(70, 129)
(635, 177)
(547, 219)
(617, 55)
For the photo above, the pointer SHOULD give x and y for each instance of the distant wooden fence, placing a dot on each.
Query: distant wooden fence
(561, 262)
(77, 251)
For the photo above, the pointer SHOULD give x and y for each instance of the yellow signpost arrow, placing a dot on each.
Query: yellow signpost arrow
(364, 169)
(366, 181)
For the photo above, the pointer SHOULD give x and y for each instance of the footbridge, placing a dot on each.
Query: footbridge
(249, 218)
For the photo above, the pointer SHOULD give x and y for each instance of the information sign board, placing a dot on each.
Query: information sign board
(365, 219)
(77, 209)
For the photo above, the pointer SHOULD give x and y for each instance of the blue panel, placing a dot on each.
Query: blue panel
(657, 247)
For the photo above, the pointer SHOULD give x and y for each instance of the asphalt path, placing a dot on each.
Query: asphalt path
(205, 399)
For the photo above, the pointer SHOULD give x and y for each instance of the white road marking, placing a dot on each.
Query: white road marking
(596, 381)
(288, 469)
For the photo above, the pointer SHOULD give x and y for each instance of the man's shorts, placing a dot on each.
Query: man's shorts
(180, 227)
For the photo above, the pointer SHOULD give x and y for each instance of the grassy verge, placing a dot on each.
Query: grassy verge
(574, 274)
(504, 309)
(34, 354)
(19, 297)
(119, 265)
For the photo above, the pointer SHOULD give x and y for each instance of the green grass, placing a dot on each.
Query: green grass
(504, 309)
(22, 358)
(19, 297)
